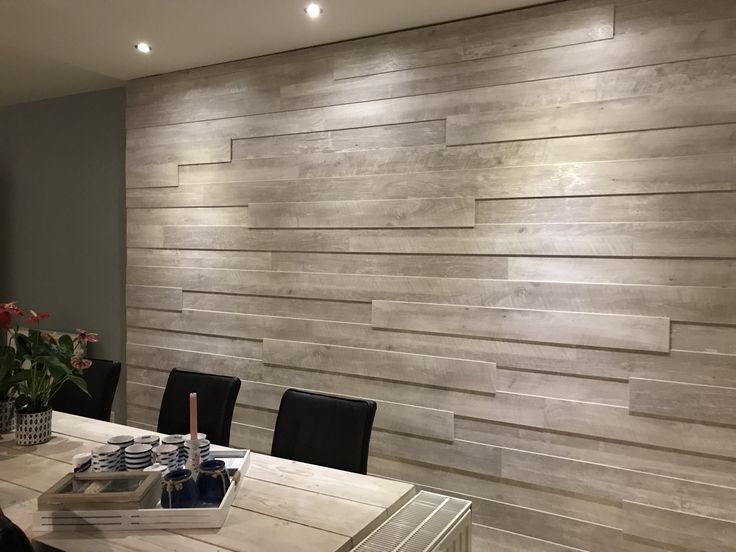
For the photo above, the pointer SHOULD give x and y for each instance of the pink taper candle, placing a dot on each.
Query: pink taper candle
(193, 415)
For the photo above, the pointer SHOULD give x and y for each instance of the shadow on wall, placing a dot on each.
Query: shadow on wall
(62, 212)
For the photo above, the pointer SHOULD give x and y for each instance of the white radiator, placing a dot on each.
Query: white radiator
(429, 522)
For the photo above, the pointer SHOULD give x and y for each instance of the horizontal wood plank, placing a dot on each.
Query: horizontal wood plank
(405, 213)
(586, 329)
(683, 401)
(419, 369)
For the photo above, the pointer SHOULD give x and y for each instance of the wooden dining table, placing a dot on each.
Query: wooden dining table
(281, 504)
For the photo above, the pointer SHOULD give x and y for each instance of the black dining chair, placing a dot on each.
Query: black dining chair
(216, 396)
(12, 538)
(102, 381)
(324, 429)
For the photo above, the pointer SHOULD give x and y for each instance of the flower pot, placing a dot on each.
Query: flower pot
(7, 416)
(33, 429)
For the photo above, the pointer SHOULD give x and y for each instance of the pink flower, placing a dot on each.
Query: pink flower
(81, 363)
(12, 308)
(86, 337)
(36, 317)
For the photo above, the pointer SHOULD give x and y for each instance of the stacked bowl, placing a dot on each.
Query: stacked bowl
(106, 458)
(121, 441)
(167, 455)
(178, 442)
(138, 456)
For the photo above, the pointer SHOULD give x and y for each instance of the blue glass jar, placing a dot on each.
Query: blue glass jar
(213, 482)
(179, 490)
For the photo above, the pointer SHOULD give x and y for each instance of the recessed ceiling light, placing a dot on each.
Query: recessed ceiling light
(143, 47)
(313, 10)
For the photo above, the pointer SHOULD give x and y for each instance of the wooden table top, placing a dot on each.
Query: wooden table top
(281, 504)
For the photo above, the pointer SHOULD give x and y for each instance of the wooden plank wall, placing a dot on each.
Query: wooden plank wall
(517, 233)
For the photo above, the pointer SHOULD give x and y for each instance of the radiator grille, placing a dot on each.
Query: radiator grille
(424, 522)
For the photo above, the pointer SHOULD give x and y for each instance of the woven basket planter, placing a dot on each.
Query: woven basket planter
(33, 429)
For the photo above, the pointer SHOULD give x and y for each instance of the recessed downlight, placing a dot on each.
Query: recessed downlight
(143, 47)
(313, 10)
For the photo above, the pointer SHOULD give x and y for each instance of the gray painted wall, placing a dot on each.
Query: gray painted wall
(62, 214)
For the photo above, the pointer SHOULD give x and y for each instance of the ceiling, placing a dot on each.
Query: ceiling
(54, 48)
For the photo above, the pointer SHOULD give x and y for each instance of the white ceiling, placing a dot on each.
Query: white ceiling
(53, 48)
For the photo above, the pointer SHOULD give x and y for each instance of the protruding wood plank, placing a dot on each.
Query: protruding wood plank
(640, 333)
(336, 141)
(670, 527)
(451, 373)
(406, 213)
(154, 297)
(683, 401)
(585, 118)
(630, 208)
(493, 35)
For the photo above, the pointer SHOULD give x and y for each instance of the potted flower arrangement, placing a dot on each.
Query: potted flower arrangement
(46, 363)
(10, 366)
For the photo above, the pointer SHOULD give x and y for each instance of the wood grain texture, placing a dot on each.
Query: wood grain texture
(468, 40)
(555, 186)
(683, 401)
(573, 328)
(401, 213)
(151, 297)
(419, 369)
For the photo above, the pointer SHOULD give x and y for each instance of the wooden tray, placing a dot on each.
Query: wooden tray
(141, 520)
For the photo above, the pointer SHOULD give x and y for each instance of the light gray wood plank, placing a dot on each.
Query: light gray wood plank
(450, 373)
(586, 329)
(257, 260)
(192, 342)
(442, 266)
(336, 141)
(188, 216)
(676, 272)
(344, 311)
(493, 35)
(671, 527)
(636, 16)
(404, 213)
(585, 118)
(152, 297)
(683, 401)
(639, 208)
(709, 339)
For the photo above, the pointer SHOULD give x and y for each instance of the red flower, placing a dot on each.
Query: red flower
(81, 363)
(7, 312)
(6, 319)
(86, 337)
(36, 317)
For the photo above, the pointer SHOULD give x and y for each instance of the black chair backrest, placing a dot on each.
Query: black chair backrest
(12, 538)
(216, 396)
(102, 381)
(325, 430)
